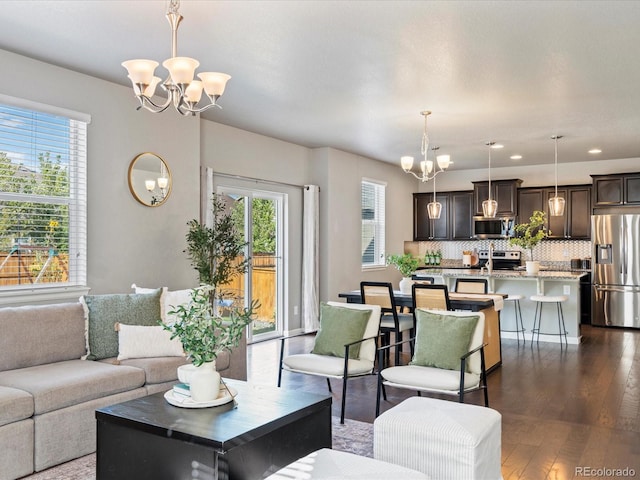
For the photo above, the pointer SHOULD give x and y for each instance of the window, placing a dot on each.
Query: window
(373, 223)
(42, 196)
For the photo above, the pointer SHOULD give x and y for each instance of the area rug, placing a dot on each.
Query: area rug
(355, 437)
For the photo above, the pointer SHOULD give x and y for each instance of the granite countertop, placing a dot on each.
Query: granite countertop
(515, 274)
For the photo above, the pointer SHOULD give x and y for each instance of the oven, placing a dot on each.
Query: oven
(502, 259)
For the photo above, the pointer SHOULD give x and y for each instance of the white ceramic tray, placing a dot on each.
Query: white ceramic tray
(186, 402)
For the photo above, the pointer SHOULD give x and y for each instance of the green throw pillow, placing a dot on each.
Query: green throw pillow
(442, 339)
(106, 310)
(339, 326)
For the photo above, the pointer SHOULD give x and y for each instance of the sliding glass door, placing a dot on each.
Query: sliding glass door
(259, 215)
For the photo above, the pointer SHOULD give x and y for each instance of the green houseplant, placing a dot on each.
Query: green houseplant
(528, 235)
(406, 265)
(211, 322)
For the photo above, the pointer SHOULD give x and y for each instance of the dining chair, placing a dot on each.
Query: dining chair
(381, 293)
(434, 297)
(448, 359)
(471, 285)
(421, 279)
(339, 351)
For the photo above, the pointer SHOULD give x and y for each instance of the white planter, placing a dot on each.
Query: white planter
(533, 267)
(405, 285)
(205, 383)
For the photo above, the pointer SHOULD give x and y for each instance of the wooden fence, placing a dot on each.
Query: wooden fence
(35, 265)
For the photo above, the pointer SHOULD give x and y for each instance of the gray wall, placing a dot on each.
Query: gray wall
(127, 242)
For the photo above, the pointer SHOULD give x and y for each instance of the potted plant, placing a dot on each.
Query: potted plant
(211, 322)
(406, 265)
(204, 335)
(528, 235)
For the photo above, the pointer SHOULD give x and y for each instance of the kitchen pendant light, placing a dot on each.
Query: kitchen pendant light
(556, 203)
(490, 206)
(434, 208)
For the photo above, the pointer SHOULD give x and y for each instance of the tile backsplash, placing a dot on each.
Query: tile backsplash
(549, 252)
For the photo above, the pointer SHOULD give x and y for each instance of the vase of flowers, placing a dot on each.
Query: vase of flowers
(406, 265)
(528, 235)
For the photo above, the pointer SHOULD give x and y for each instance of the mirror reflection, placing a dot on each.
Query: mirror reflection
(149, 179)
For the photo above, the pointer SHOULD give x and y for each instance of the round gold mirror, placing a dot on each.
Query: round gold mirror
(149, 179)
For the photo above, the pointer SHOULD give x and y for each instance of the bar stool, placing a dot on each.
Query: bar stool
(515, 299)
(537, 320)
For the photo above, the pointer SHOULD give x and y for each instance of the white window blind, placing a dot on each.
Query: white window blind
(373, 218)
(43, 197)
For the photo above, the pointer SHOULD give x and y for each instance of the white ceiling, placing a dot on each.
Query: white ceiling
(355, 75)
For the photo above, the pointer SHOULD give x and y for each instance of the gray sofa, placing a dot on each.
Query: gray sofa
(49, 392)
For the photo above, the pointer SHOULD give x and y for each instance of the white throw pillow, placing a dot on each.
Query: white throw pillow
(137, 341)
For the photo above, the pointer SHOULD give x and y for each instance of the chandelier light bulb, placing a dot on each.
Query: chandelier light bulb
(182, 91)
(150, 185)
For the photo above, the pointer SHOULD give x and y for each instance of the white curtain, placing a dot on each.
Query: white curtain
(206, 192)
(310, 267)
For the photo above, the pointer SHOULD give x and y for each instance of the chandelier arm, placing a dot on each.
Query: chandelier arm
(556, 157)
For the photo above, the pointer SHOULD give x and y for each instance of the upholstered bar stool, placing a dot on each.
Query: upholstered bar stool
(515, 299)
(537, 320)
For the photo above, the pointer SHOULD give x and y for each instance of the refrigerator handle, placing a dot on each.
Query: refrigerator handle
(623, 264)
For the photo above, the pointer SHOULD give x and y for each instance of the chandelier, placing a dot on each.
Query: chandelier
(556, 203)
(427, 167)
(181, 89)
(489, 206)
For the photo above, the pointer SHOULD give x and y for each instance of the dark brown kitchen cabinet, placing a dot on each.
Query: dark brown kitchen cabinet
(425, 228)
(618, 189)
(455, 222)
(529, 200)
(576, 221)
(461, 215)
(575, 224)
(505, 192)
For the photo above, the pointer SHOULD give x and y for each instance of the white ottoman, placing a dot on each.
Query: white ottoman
(444, 439)
(327, 464)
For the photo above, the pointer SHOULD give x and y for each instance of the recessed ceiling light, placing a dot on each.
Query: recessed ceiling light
(516, 157)
(497, 145)
(594, 151)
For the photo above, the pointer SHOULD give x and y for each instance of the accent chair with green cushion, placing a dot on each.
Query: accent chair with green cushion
(341, 324)
(448, 359)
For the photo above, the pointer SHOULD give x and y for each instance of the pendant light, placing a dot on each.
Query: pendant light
(489, 206)
(434, 208)
(556, 203)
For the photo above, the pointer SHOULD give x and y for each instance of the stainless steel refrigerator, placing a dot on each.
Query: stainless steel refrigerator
(615, 266)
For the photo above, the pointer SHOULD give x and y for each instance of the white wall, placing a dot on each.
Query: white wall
(127, 242)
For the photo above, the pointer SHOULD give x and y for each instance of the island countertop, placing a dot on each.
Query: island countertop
(507, 274)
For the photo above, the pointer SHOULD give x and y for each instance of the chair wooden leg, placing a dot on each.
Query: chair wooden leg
(379, 390)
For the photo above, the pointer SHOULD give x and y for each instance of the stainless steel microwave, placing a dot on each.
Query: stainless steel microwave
(487, 227)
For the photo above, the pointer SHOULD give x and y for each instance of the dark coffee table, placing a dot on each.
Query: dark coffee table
(264, 430)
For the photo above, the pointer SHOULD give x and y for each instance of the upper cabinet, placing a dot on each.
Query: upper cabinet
(505, 192)
(455, 220)
(575, 224)
(619, 189)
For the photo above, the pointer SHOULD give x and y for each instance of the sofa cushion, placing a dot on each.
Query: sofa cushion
(104, 311)
(157, 370)
(61, 384)
(14, 405)
(36, 335)
(169, 300)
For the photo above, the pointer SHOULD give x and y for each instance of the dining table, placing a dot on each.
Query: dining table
(489, 304)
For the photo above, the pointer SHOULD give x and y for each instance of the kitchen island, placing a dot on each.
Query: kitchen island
(513, 282)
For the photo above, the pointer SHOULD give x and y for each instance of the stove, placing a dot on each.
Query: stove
(502, 259)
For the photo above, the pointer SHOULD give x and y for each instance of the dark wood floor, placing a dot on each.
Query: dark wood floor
(562, 409)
